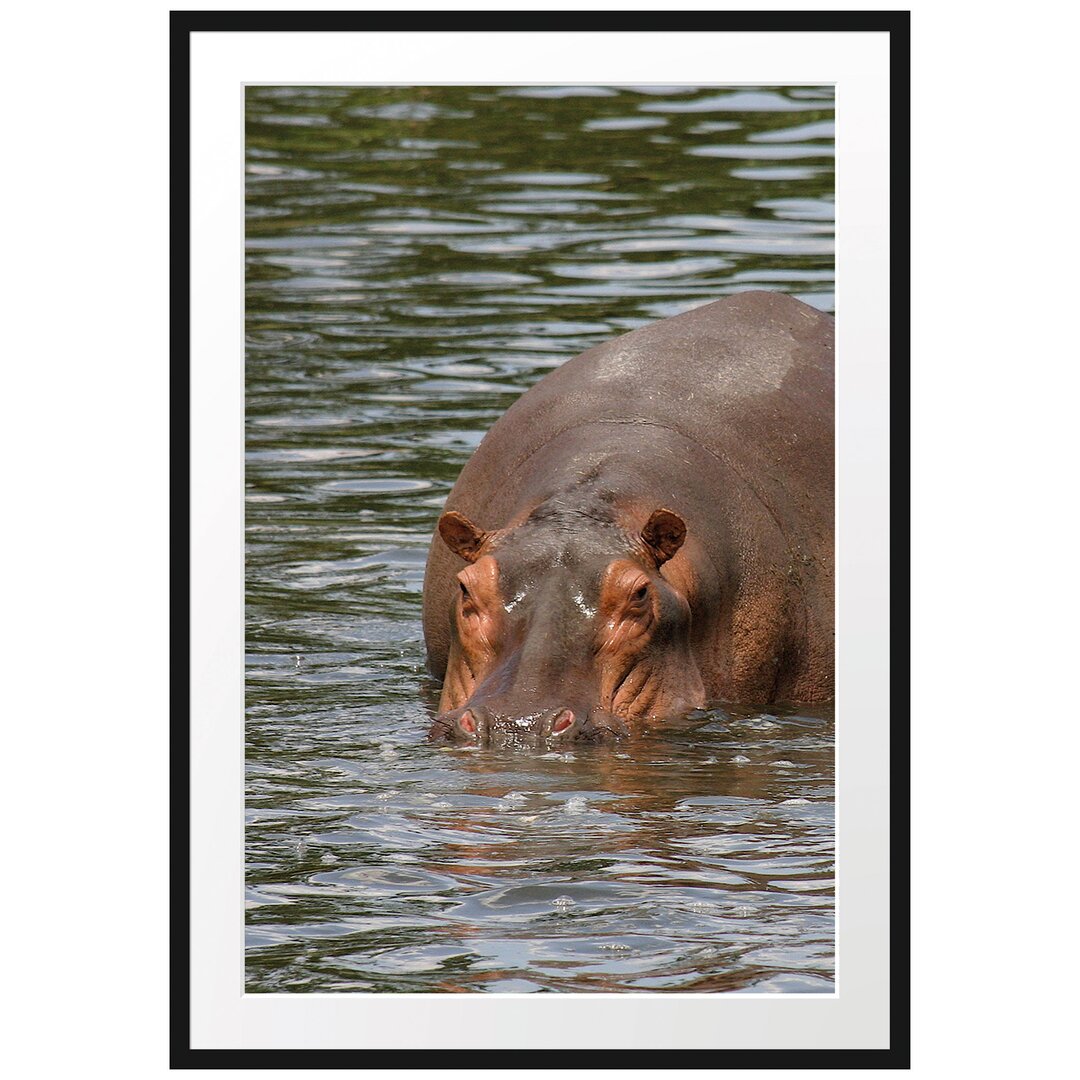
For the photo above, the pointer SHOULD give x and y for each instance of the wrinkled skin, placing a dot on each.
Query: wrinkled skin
(646, 531)
(564, 628)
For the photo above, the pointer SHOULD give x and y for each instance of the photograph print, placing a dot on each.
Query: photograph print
(539, 567)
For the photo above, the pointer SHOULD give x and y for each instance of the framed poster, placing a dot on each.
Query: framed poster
(387, 228)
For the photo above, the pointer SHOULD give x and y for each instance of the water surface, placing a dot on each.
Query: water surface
(416, 259)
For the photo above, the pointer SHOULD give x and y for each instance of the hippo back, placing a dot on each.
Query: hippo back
(749, 378)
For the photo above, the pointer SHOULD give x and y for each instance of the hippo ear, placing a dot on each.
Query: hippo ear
(664, 534)
(461, 536)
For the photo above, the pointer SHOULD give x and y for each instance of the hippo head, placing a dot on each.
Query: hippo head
(563, 628)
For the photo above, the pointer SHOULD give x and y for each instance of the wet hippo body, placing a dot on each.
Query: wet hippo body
(647, 530)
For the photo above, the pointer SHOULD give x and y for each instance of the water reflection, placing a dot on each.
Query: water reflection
(417, 257)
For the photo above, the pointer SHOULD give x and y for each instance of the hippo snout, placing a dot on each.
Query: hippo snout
(470, 724)
(478, 725)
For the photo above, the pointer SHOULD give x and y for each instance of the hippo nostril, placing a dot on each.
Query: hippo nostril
(562, 722)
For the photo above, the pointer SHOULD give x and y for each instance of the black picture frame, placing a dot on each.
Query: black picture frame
(182, 25)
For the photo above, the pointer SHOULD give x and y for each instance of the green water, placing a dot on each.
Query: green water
(416, 259)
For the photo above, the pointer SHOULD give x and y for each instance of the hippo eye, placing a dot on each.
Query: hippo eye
(639, 594)
(466, 596)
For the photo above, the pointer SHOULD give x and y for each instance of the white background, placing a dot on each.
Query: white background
(85, 438)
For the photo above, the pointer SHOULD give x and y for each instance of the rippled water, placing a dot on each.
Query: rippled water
(418, 257)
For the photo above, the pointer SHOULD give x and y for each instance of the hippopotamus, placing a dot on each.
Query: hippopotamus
(647, 531)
